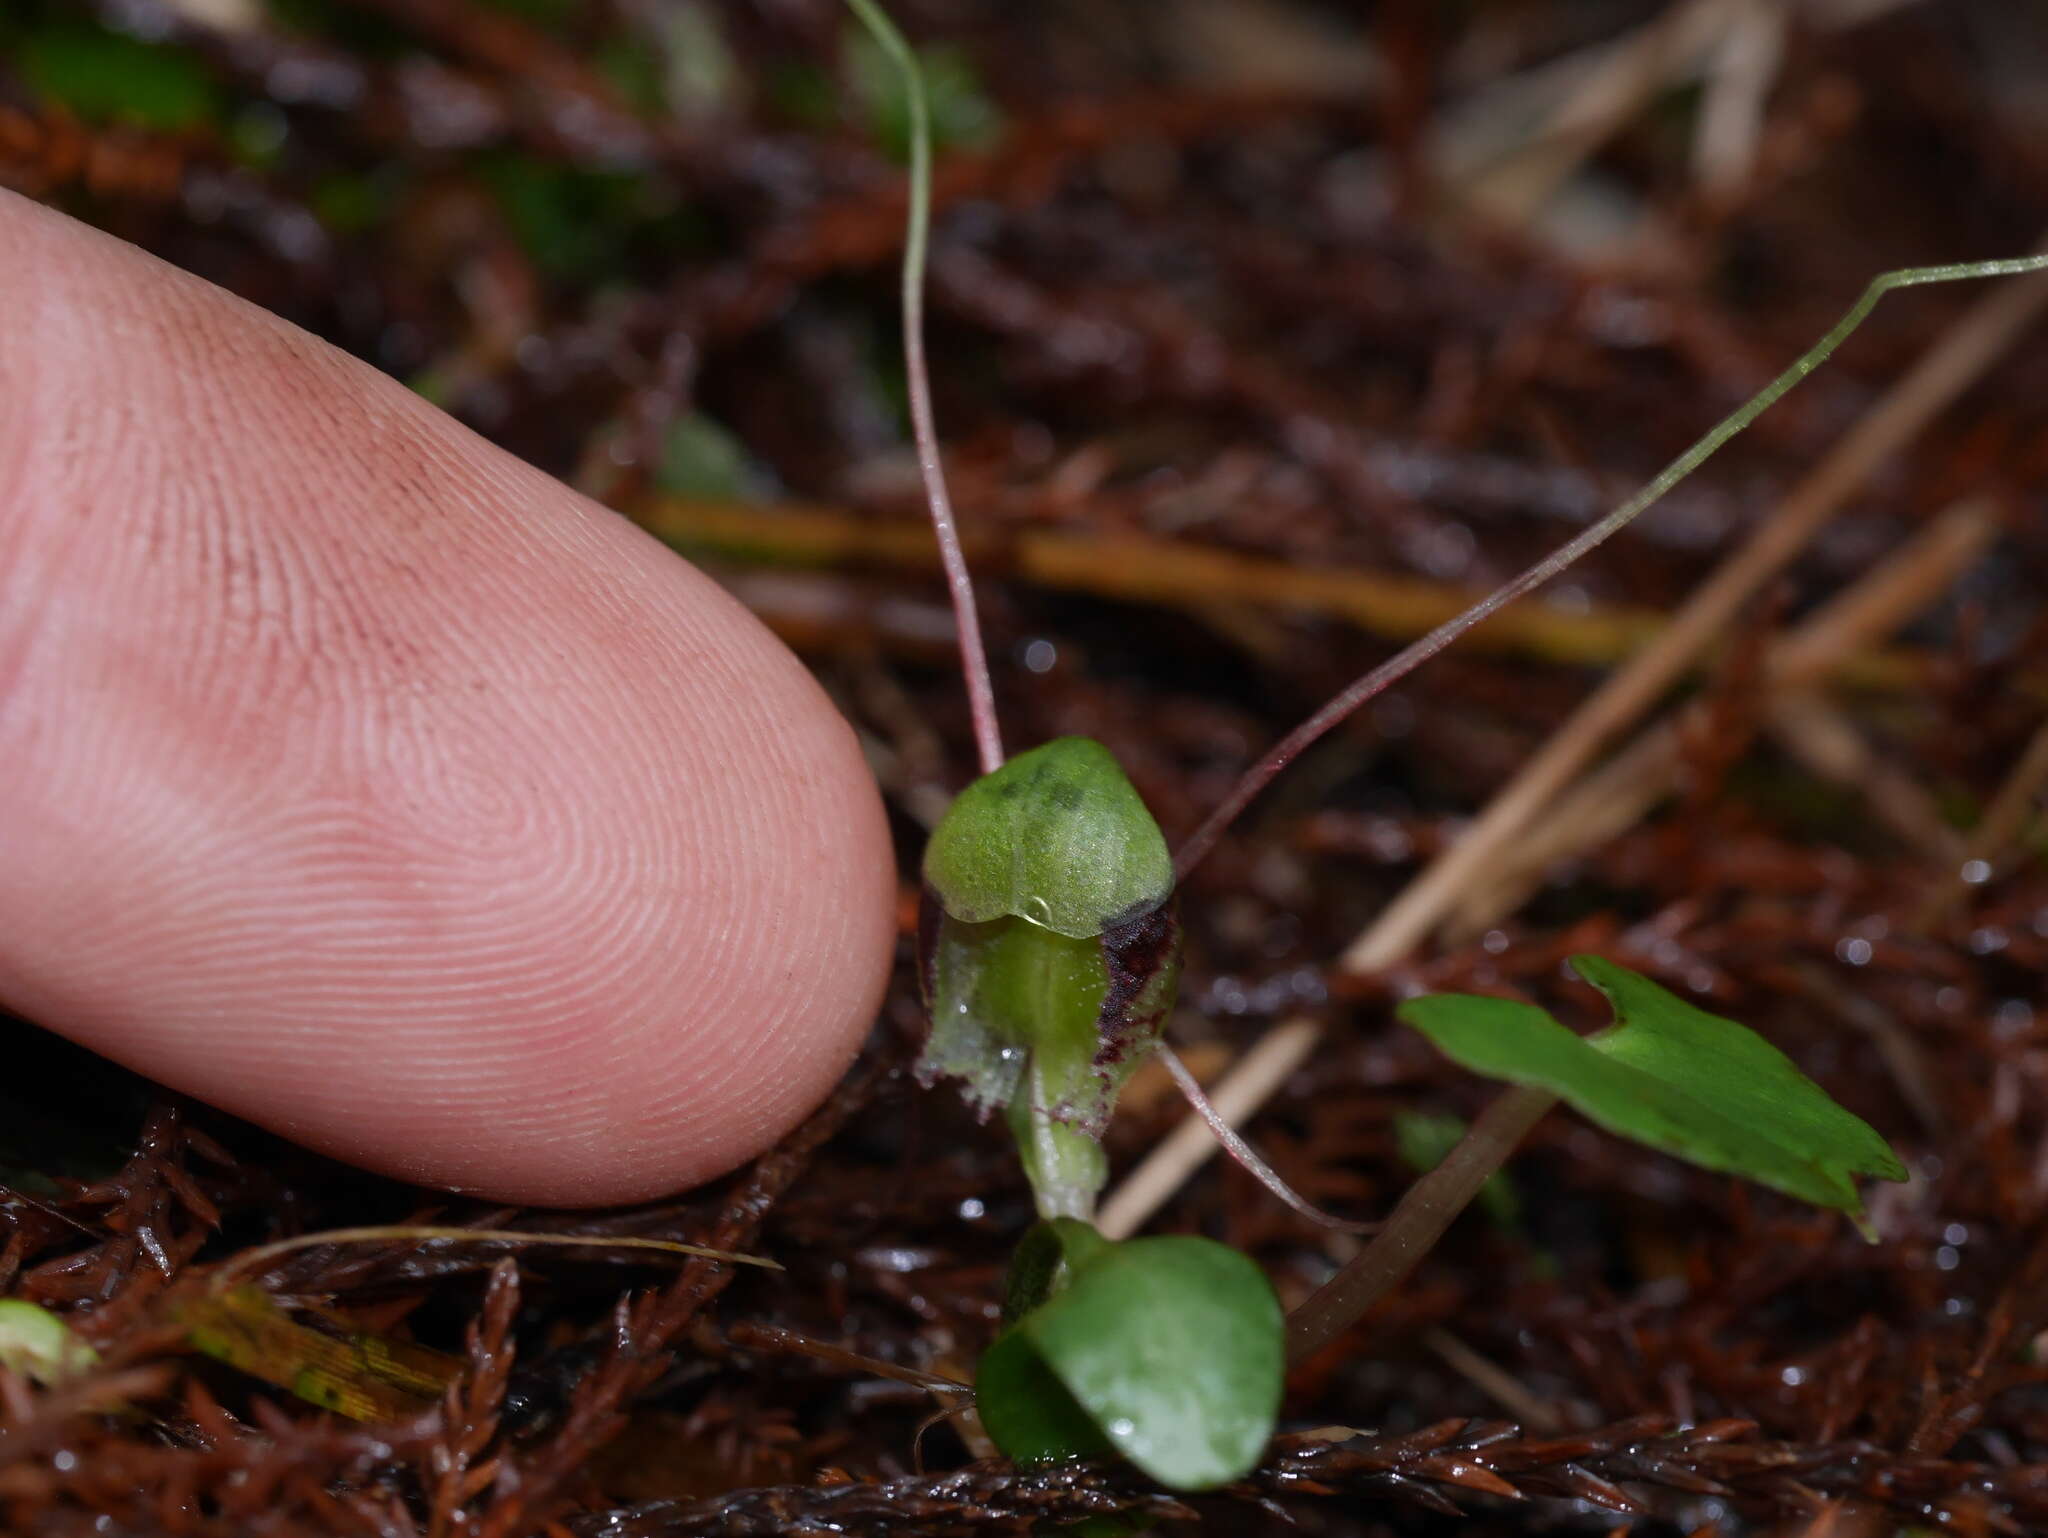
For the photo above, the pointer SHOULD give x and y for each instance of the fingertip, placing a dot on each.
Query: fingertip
(362, 780)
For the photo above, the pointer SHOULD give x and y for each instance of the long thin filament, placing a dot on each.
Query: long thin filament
(981, 699)
(1238, 1149)
(1191, 853)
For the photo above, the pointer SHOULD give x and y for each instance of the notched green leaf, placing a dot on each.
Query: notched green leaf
(1057, 837)
(1672, 1076)
(1660, 1033)
(1170, 1349)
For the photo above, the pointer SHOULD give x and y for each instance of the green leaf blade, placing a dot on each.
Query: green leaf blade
(1653, 1027)
(1675, 1078)
(1172, 1348)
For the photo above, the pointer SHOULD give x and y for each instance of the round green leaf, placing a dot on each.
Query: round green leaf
(1057, 837)
(1028, 1410)
(1171, 1348)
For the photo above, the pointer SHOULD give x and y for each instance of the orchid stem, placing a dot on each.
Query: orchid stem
(981, 699)
(1416, 1223)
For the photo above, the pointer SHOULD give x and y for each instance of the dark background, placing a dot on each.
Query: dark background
(1399, 294)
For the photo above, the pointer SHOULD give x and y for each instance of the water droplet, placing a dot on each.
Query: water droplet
(1122, 1426)
(1976, 872)
(1037, 910)
(973, 1208)
(1855, 950)
(1040, 655)
(1947, 1258)
(1956, 1233)
(1444, 550)
(1792, 1377)
(1569, 598)
(1228, 996)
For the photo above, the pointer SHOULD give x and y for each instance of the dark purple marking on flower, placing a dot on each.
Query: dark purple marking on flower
(929, 917)
(1143, 959)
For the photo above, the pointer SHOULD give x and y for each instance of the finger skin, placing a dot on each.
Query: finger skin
(362, 780)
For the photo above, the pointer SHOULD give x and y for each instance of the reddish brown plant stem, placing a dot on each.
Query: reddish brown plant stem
(1416, 1223)
(974, 670)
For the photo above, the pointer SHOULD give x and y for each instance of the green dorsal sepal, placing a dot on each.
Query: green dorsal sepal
(1057, 837)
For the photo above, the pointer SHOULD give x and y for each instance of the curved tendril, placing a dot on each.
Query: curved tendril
(1241, 1151)
(973, 658)
(1191, 853)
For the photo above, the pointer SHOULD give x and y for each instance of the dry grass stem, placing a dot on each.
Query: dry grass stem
(1172, 573)
(1739, 79)
(1903, 1059)
(2004, 820)
(1827, 742)
(1587, 98)
(1502, 1386)
(1202, 581)
(1624, 790)
(1986, 331)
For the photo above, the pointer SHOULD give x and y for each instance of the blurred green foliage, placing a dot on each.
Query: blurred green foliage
(703, 459)
(106, 77)
(554, 16)
(582, 225)
(963, 117)
(1425, 1139)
